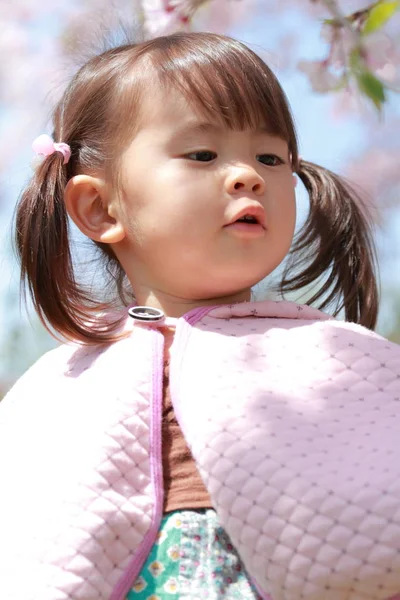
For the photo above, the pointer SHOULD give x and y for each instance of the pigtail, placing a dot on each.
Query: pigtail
(43, 247)
(336, 247)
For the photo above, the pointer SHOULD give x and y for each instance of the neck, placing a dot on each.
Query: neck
(174, 306)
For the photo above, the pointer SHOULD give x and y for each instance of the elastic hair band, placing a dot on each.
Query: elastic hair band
(45, 146)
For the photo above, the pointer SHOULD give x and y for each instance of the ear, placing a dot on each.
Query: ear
(93, 211)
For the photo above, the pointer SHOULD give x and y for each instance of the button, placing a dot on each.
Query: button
(146, 313)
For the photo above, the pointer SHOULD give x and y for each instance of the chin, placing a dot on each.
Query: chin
(237, 288)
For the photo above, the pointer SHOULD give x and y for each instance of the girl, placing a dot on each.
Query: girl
(187, 442)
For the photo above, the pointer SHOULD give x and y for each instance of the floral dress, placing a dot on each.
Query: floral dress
(192, 558)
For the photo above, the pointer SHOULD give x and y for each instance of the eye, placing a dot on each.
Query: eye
(271, 160)
(202, 156)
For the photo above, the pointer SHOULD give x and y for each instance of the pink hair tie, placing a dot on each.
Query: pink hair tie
(45, 146)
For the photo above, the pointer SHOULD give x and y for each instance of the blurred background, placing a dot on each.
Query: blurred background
(354, 131)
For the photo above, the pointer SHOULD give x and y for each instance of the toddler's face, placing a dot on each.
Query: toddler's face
(183, 185)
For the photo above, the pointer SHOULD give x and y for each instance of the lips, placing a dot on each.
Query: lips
(251, 210)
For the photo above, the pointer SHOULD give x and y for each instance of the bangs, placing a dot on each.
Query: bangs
(226, 81)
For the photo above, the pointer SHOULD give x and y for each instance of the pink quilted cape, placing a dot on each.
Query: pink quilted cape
(292, 418)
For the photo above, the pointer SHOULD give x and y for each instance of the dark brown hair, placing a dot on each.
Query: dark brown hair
(98, 116)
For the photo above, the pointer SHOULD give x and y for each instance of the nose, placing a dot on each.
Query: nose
(242, 179)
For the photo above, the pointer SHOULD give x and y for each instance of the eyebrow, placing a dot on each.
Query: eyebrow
(204, 127)
(193, 128)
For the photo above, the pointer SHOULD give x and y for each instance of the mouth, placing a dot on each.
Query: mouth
(246, 228)
(251, 217)
(248, 219)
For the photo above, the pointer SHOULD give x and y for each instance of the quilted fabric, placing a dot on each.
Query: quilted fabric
(293, 420)
(298, 447)
(78, 493)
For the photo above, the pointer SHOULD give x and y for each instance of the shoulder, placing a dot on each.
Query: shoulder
(286, 314)
(50, 373)
(294, 326)
(346, 330)
(357, 345)
(68, 358)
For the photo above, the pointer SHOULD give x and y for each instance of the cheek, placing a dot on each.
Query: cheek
(165, 225)
(290, 223)
(286, 210)
(293, 212)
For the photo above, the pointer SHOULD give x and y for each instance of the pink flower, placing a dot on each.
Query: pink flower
(378, 48)
(166, 16)
(158, 19)
(389, 73)
(321, 79)
(184, 8)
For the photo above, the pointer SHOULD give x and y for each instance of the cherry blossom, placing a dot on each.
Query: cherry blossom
(321, 79)
(165, 16)
(159, 19)
(184, 8)
(359, 51)
(378, 48)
